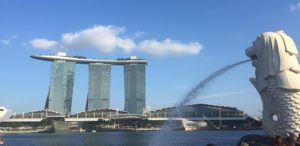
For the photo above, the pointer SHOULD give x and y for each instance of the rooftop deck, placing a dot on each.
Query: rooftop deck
(84, 60)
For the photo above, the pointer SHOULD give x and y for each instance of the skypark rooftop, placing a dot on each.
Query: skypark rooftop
(84, 60)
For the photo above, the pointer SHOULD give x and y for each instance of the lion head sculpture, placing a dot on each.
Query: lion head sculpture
(274, 55)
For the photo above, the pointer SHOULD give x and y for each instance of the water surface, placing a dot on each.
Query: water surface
(173, 138)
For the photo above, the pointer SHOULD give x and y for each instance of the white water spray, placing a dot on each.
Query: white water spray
(158, 139)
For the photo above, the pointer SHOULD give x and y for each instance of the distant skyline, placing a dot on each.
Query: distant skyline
(184, 41)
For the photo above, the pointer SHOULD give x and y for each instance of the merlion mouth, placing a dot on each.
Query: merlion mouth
(254, 60)
(253, 57)
(251, 53)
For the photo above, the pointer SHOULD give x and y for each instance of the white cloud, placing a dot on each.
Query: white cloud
(126, 44)
(169, 47)
(103, 38)
(110, 38)
(45, 44)
(139, 34)
(5, 42)
(295, 7)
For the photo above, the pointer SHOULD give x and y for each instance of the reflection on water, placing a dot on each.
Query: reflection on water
(175, 138)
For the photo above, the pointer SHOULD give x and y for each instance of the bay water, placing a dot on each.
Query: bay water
(174, 138)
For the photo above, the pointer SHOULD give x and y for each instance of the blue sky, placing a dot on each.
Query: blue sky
(184, 42)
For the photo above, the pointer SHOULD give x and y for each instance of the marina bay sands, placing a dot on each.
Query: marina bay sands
(59, 98)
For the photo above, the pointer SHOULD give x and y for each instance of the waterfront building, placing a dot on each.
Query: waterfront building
(100, 114)
(99, 86)
(134, 88)
(198, 111)
(216, 116)
(98, 97)
(61, 87)
(35, 116)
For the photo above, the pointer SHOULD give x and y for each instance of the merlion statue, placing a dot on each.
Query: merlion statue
(274, 55)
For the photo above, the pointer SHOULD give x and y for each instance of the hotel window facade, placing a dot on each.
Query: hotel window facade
(61, 87)
(99, 87)
(134, 88)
